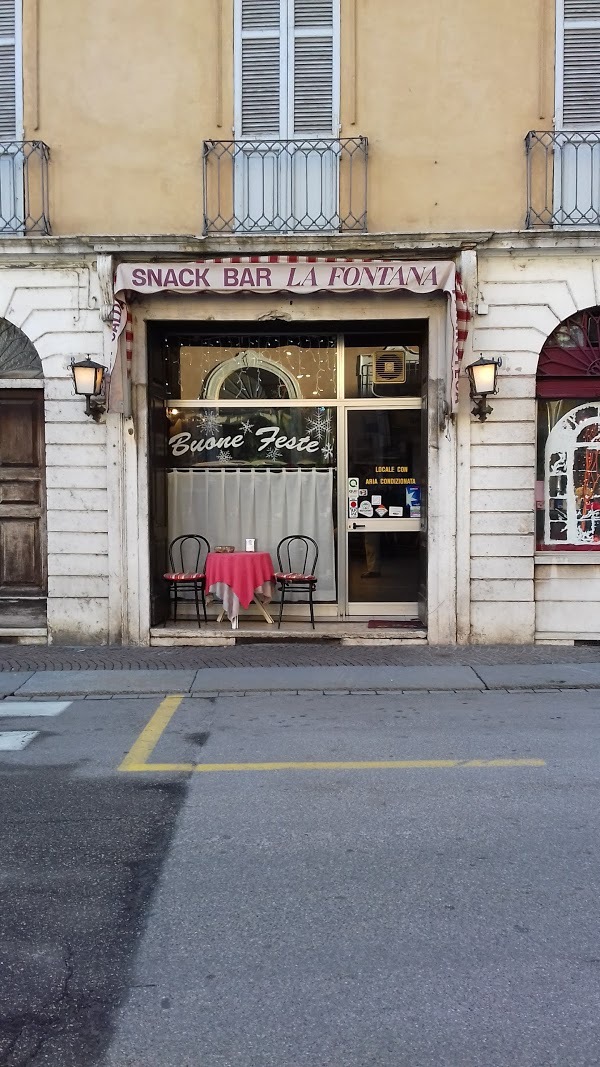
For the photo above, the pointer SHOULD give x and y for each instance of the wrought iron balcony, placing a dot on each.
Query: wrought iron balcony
(563, 178)
(24, 187)
(302, 186)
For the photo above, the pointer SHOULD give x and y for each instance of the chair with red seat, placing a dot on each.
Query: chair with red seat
(187, 555)
(304, 551)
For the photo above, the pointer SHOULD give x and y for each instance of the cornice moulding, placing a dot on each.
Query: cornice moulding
(84, 250)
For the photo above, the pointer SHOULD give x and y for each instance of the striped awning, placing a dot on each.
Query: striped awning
(301, 275)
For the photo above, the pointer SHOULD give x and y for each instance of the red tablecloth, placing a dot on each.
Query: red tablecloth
(243, 572)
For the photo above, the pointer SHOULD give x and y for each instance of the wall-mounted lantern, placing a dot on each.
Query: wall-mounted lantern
(483, 375)
(89, 378)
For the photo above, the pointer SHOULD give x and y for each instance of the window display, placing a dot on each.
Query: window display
(241, 473)
(568, 391)
(287, 437)
(568, 498)
(242, 367)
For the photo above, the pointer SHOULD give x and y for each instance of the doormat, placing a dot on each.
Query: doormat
(394, 624)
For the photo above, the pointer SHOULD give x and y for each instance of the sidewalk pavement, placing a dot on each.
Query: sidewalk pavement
(308, 654)
(341, 680)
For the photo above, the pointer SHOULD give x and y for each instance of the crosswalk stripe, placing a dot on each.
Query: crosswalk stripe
(16, 740)
(32, 709)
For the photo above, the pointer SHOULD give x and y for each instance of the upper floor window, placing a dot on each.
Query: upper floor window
(563, 162)
(578, 66)
(23, 203)
(10, 70)
(286, 68)
(286, 157)
(568, 462)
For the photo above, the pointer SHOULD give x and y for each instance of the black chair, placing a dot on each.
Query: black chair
(305, 552)
(189, 549)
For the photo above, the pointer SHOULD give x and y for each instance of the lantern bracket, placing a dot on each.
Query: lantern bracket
(89, 379)
(483, 381)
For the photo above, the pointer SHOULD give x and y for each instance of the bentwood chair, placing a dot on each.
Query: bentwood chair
(303, 550)
(187, 555)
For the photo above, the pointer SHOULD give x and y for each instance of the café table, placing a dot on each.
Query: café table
(237, 579)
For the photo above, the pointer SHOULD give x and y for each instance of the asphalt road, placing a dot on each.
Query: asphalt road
(439, 908)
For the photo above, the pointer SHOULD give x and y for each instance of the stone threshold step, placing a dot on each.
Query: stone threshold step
(216, 638)
(23, 635)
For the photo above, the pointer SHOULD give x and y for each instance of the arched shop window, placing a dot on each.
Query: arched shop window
(250, 376)
(568, 431)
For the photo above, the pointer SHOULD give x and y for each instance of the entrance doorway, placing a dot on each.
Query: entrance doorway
(266, 432)
(22, 509)
(385, 491)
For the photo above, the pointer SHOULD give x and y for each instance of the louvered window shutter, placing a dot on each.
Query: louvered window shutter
(287, 79)
(313, 108)
(259, 81)
(8, 67)
(581, 65)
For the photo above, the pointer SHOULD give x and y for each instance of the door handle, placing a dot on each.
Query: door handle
(358, 526)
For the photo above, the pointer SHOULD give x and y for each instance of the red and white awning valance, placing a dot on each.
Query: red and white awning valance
(271, 274)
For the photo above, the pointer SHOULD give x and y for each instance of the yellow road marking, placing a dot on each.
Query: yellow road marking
(143, 747)
(136, 759)
(368, 765)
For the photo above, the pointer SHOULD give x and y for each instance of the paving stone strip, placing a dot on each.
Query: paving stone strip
(30, 658)
(208, 682)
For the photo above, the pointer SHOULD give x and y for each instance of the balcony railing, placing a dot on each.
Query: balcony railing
(24, 187)
(563, 178)
(302, 186)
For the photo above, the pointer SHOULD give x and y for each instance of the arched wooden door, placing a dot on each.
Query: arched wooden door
(23, 553)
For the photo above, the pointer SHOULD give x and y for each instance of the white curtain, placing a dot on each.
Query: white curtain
(227, 505)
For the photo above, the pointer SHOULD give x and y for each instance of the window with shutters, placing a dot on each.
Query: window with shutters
(287, 79)
(12, 161)
(577, 146)
(10, 118)
(23, 164)
(286, 113)
(578, 66)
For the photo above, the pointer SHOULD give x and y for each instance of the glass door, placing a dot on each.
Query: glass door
(385, 487)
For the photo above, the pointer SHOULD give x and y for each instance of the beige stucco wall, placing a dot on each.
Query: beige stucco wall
(125, 93)
(446, 94)
(126, 97)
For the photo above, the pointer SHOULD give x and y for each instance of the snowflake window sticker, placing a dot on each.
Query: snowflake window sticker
(274, 455)
(320, 427)
(209, 421)
(572, 478)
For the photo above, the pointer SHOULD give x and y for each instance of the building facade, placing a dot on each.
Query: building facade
(286, 227)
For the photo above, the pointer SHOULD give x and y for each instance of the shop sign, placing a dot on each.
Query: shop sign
(287, 437)
(417, 276)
